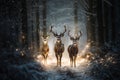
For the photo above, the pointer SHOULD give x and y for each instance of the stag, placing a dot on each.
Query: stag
(59, 46)
(45, 48)
(73, 48)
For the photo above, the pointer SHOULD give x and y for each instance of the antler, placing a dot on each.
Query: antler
(55, 34)
(62, 34)
(70, 35)
(78, 36)
(51, 29)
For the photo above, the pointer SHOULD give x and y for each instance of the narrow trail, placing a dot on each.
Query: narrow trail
(66, 72)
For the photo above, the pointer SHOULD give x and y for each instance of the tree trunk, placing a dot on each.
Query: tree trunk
(24, 24)
(91, 22)
(100, 23)
(76, 16)
(113, 21)
(37, 25)
(44, 18)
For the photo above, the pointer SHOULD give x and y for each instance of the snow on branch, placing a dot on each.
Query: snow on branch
(84, 4)
(109, 3)
(87, 12)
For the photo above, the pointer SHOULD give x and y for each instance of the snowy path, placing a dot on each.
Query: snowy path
(53, 73)
(64, 73)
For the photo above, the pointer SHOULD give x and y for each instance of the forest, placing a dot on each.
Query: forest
(59, 40)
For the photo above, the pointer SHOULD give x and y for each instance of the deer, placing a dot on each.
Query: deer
(73, 48)
(59, 46)
(45, 47)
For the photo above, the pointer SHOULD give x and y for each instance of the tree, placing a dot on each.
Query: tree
(76, 15)
(44, 18)
(92, 22)
(37, 25)
(24, 28)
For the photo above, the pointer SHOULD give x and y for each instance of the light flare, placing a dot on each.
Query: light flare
(52, 61)
(85, 49)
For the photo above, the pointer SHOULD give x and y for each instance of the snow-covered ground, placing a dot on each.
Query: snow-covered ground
(65, 72)
(102, 67)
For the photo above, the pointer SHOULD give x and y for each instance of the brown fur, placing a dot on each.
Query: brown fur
(45, 50)
(73, 51)
(59, 49)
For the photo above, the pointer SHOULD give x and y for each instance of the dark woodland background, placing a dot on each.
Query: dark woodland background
(103, 30)
(13, 20)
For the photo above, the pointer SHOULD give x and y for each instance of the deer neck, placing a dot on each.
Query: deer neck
(45, 44)
(75, 44)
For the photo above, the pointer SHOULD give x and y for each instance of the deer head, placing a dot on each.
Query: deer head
(58, 36)
(76, 38)
(44, 38)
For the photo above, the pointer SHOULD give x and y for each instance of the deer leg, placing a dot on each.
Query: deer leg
(74, 61)
(56, 58)
(59, 60)
(45, 58)
(71, 61)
